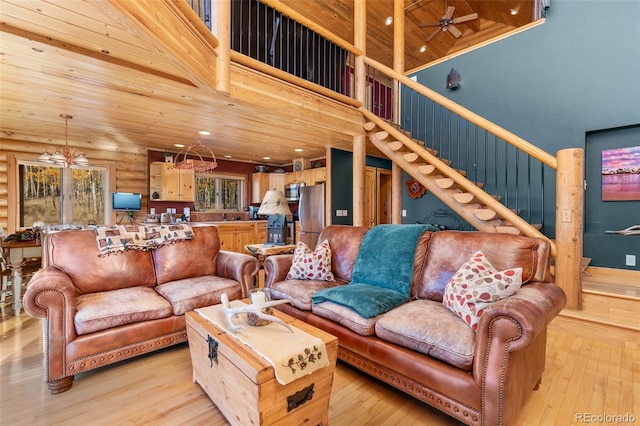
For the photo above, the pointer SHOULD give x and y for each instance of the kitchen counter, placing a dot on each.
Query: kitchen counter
(236, 234)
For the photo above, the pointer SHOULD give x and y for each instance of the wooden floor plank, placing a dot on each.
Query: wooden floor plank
(587, 371)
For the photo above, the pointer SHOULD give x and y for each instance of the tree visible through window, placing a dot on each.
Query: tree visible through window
(55, 195)
(219, 192)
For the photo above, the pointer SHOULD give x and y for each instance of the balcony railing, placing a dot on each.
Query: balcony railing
(523, 177)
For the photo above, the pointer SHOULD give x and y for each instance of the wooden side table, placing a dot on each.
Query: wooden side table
(260, 252)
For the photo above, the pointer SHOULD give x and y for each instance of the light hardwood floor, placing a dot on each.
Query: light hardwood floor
(592, 369)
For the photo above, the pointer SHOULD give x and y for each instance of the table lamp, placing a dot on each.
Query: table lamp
(275, 207)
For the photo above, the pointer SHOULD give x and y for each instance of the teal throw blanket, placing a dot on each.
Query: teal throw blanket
(382, 274)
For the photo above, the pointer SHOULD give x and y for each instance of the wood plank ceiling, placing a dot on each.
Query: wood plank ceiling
(128, 94)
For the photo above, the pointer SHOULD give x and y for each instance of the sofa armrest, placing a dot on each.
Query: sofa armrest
(51, 295)
(276, 268)
(239, 267)
(510, 346)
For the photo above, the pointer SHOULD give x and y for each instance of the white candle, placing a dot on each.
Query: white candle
(258, 297)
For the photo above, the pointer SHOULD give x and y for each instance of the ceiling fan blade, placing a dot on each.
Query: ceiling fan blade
(433, 34)
(431, 24)
(465, 18)
(454, 31)
(449, 12)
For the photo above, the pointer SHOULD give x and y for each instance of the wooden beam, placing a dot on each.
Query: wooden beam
(569, 216)
(190, 50)
(221, 27)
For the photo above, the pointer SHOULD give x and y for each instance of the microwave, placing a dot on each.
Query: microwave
(292, 191)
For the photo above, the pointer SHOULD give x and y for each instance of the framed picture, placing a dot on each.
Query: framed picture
(621, 174)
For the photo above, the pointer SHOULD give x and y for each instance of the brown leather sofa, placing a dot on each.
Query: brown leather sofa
(101, 310)
(491, 383)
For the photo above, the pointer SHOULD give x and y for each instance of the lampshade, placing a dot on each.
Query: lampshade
(274, 202)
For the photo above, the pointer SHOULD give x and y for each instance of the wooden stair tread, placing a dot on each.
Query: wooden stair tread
(445, 183)
(395, 145)
(464, 197)
(369, 125)
(485, 214)
(508, 230)
(426, 169)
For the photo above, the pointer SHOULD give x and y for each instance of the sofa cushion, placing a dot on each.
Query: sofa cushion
(311, 265)
(188, 259)
(192, 293)
(300, 291)
(107, 309)
(347, 317)
(345, 242)
(477, 285)
(449, 250)
(430, 328)
(92, 273)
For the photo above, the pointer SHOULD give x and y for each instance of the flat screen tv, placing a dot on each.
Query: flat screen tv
(126, 201)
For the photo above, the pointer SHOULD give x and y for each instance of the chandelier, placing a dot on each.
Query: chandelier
(63, 156)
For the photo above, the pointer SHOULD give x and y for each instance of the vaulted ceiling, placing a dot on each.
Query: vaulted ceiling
(128, 93)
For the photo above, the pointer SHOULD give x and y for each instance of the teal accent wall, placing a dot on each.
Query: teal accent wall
(577, 73)
(342, 182)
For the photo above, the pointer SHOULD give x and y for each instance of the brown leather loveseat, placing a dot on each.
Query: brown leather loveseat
(101, 310)
(423, 348)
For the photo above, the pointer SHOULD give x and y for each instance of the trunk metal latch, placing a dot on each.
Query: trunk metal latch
(213, 350)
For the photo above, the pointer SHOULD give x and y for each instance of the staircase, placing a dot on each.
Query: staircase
(481, 210)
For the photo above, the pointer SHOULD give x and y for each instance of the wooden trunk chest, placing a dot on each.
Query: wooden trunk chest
(243, 385)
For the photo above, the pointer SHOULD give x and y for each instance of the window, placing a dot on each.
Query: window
(219, 192)
(54, 194)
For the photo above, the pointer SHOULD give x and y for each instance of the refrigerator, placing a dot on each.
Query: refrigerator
(311, 213)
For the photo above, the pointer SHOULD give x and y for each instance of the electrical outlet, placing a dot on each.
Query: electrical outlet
(630, 260)
(566, 216)
(404, 213)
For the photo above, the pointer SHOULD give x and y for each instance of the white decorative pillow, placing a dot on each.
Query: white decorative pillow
(311, 265)
(477, 285)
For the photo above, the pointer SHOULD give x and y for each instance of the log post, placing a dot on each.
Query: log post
(398, 66)
(569, 219)
(221, 28)
(359, 141)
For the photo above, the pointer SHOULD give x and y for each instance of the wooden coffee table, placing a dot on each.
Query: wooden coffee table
(243, 385)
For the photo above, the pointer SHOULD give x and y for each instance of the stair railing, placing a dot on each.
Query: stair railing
(507, 167)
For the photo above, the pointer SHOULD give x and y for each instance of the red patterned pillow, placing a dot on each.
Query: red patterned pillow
(477, 285)
(311, 265)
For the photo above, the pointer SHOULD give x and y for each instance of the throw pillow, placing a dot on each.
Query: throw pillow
(476, 285)
(311, 265)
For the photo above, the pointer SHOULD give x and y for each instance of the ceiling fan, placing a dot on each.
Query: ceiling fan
(446, 22)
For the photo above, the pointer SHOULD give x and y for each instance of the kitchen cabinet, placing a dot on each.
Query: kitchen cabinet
(276, 181)
(308, 177)
(259, 186)
(237, 234)
(170, 184)
(317, 175)
(263, 182)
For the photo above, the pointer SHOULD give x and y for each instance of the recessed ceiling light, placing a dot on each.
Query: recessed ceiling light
(514, 11)
(228, 156)
(298, 150)
(423, 48)
(388, 21)
(204, 133)
(266, 158)
(178, 145)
